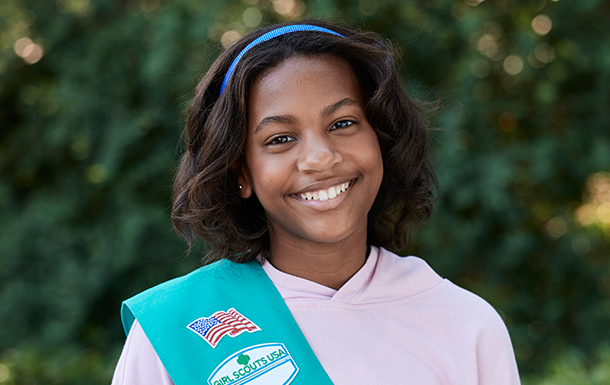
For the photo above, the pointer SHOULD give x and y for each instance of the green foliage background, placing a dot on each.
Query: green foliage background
(89, 133)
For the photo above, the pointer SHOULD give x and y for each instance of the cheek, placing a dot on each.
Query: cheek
(266, 172)
(374, 163)
(375, 154)
(370, 153)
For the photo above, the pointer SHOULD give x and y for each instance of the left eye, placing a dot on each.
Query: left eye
(342, 124)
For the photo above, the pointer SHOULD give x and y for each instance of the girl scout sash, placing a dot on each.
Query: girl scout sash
(224, 323)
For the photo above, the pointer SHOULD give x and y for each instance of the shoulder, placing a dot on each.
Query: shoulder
(475, 311)
(393, 266)
(453, 315)
(415, 277)
(406, 276)
(179, 295)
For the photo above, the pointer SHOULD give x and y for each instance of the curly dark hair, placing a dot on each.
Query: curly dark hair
(206, 200)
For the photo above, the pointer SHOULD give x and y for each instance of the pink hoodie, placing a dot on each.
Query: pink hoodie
(395, 321)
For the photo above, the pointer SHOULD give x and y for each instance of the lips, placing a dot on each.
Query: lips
(326, 194)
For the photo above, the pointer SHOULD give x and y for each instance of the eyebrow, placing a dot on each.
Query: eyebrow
(287, 119)
(281, 119)
(347, 102)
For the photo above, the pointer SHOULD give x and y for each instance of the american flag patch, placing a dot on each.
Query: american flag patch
(213, 328)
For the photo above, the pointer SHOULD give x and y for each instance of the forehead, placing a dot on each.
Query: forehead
(305, 80)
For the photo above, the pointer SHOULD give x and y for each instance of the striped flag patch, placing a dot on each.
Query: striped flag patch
(221, 323)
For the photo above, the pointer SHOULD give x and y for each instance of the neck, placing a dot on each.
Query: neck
(329, 264)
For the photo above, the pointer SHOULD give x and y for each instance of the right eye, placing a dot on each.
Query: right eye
(281, 139)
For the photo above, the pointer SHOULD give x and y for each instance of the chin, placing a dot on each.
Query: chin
(329, 237)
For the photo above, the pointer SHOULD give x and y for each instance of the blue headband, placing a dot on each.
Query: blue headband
(268, 36)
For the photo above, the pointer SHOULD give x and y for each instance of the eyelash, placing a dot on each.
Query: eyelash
(285, 138)
(281, 139)
(344, 123)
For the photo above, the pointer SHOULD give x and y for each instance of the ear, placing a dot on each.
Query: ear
(245, 181)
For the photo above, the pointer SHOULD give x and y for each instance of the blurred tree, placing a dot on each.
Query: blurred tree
(92, 94)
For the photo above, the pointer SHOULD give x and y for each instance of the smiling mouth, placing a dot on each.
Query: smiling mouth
(324, 195)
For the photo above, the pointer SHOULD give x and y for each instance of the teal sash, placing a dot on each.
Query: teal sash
(278, 353)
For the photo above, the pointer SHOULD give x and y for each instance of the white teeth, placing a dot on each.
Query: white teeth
(332, 193)
(324, 195)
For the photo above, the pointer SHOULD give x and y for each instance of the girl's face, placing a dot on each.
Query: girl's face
(311, 156)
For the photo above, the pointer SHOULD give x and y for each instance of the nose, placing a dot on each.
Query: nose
(318, 153)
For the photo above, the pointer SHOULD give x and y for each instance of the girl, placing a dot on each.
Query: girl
(305, 159)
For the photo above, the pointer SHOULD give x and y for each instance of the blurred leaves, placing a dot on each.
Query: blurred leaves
(92, 93)
(574, 368)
